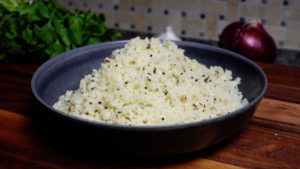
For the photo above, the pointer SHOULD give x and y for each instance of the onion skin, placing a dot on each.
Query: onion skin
(228, 36)
(250, 40)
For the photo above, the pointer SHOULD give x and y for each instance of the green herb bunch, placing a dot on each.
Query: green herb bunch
(43, 29)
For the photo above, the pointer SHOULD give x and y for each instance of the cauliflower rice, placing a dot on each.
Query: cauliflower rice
(152, 82)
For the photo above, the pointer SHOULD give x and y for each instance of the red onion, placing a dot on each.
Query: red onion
(249, 39)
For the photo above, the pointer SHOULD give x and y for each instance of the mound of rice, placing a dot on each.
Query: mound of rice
(149, 82)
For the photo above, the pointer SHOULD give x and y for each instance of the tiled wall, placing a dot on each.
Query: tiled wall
(199, 19)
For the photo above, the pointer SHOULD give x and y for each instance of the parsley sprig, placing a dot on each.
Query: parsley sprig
(44, 29)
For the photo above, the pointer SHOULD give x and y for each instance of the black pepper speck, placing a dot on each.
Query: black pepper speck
(205, 80)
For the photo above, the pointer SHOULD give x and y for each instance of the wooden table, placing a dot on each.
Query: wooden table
(270, 140)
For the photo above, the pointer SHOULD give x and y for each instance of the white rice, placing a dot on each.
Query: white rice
(149, 82)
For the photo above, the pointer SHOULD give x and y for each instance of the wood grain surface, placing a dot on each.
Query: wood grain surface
(270, 140)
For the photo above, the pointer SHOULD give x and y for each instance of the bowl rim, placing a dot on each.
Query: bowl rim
(75, 52)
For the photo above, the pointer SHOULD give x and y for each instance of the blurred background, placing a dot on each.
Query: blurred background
(198, 19)
(42, 29)
(202, 20)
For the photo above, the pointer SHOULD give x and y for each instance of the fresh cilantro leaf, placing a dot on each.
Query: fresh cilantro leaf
(44, 29)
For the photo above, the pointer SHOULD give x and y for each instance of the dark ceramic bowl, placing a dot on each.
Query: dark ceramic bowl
(64, 72)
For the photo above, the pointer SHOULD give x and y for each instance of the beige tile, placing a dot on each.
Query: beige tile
(232, 10)
(139, 22)
(156, 7)
(293, 38)
(254, 1)
(82, 5)
(125, 4)
(178, 5)
(211, 27)
(126, 19)
(193, 27)
(214, 7)
(94, 7)
(295, 4)
(292, 14)
(123, 16)
(144, 3)
(249, 10)
(192, 8)
(293, 25)
(107, 6)
(194, 5)
(193, 24)
(273, 12)
(110, 19)
(138, 10)
(158, 23)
